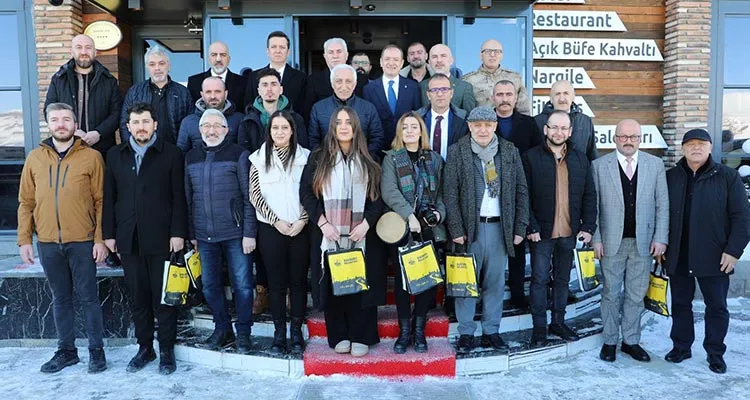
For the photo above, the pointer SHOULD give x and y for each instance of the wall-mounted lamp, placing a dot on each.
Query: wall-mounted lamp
(354, 27)
(355, 4)
(405, 27)
(224, 5)
(134, 5)
(485, 4)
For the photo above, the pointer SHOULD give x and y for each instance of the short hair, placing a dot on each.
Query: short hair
(391, 46)
(214, 78)
(212, 112)
(140, 108)
(438, 75)
(277, 34)
(417, 44)
(343, 66)
(361, 54)
(504, 82)
(154, 51)
(269, 72)
(560, 112)
(334, 40)
(60, 107)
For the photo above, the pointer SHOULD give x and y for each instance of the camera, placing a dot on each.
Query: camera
(427, 214)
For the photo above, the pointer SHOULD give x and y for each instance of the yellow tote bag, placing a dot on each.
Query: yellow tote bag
(194, 270)
(461, 275)
(657, 297)
(420, 270)
(586, 269)
(348, 271)
(175, 282)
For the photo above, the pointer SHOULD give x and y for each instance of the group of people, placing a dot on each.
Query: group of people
(276, 168)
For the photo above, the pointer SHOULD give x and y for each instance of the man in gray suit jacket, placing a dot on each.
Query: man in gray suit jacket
(441, 60)
(633, 227)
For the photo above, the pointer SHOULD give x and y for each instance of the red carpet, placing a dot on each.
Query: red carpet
(437, 323)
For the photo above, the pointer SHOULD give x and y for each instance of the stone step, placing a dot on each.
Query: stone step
(437, 323)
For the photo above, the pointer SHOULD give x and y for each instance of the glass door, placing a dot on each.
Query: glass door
(185, 50)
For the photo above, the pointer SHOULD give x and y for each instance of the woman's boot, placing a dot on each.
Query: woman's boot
(279, 337)
(404, 336)
(420, 341)
(295, 335)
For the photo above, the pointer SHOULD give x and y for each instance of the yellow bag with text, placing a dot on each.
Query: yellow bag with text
(657, 297)
(194, 270)
(420, 270)
(175, 282)
(586, 269)
(461, 275)
(348, 271)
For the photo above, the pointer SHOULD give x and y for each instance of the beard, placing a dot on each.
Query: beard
(218, 69)
(142, 139)
(83, 63)
(417, 64)
(62, 135)
(555, 142)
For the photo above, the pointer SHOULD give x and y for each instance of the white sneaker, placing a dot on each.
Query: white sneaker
(343, 347)
(359, 349)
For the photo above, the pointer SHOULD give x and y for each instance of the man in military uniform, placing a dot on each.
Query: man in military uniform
(490, 72)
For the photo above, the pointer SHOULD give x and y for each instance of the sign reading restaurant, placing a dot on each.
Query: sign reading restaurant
(596, 49)
(559, 20)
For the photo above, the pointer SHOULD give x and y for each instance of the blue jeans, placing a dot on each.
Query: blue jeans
(550, 259)
(240, 276)
(70, 267)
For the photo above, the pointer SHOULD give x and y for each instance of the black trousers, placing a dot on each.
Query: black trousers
(714, 290)
(286, 259)
(346, 319)
(261, 274)
(144, 277)
(422, 302)
(517, 271)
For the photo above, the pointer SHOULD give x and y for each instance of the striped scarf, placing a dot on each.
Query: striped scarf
(344, 199)
(406, 171)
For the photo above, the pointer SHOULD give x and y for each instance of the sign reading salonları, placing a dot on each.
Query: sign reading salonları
(596, 49)
(544, 77)
(559, 20)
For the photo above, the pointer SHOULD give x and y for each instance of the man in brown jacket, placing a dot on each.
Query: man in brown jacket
(60, 198)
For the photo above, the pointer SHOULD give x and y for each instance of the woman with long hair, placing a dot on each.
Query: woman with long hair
(340, 190)
(282, 225)
(411, 187)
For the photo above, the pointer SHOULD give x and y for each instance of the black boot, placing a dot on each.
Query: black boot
(295, 335)
(538, 337)
(404, 336)
(167, 362)
(97, 361)
(420, 341)
(62, 358)
(279, 337)
(243, 343)
(218, 339)
(145, 355)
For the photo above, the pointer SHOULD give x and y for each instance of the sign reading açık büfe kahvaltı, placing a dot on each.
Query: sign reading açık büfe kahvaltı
(596, 49)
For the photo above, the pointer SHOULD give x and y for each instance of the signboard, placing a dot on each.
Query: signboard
(559, 20)
(544, 77)
(106, 35)
(651, 137)
(596, 49)
(537, 104)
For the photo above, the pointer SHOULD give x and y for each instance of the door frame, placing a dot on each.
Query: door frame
(141, 33)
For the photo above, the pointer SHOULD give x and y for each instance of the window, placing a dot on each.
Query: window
(184, 56)
(471, 32)
(735, 90)
(246, 42)
(11, 102)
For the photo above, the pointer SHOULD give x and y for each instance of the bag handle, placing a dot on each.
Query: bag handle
(659, 269)
(458, 248)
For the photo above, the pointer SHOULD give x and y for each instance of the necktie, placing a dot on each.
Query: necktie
(629, 168)
(391, 97)
(437, 133)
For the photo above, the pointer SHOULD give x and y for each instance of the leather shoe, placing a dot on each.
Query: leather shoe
(494, 341)
(678, 355)
(716, 363)
(520, 302)
(218, 339)
(167, 362)
(145, 355)
(608, 352)
(564, 332)
(635, 351)
(538, 337)
(465, 344)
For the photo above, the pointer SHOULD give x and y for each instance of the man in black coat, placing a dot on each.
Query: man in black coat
(709, 228)
(523, 132)
(293, 80)
(145, 219)
(88, 86)
(218, 58)
(562, 199)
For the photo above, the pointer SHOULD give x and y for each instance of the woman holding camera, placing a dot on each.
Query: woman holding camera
(411, 187)
(282, 229)
(340, 190)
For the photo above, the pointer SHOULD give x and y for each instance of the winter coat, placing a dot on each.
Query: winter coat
(460, 192)
(251, 133)
(719, 218)
(179, 104)
(541, 173)
(583, 129)
(104, 104)
(217, 193)
(322, 112)
(150, 204)
(190, 134)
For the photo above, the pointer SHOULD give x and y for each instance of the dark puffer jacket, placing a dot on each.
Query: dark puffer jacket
(190, 134)
(217, 193)
(179, 102)
(583, 129)
(541, 174)
(104, 104)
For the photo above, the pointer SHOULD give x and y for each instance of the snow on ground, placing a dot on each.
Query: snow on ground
(582, 377)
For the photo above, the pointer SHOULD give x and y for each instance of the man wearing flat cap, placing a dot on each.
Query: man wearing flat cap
(484, 190)
(708, 230)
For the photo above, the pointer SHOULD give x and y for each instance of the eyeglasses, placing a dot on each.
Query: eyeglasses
(439, 90)
(360, 63)
(632, 138)
(216, 127)
(492, 51)
(558, 128)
